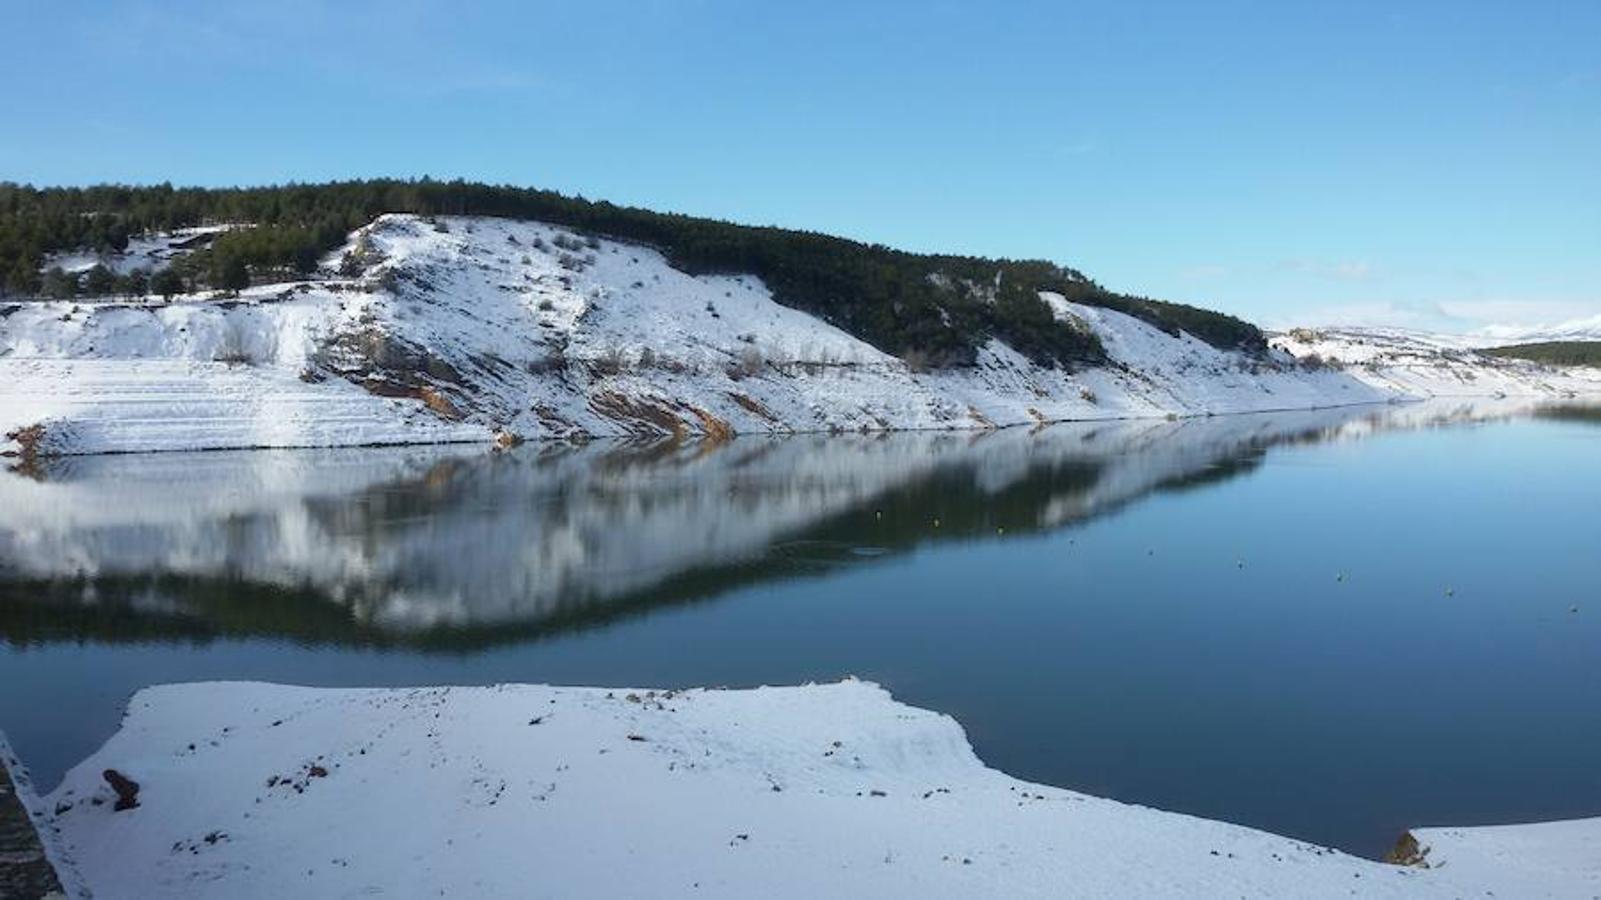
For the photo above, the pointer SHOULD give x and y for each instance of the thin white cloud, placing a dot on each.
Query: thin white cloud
(1379, 313)
(1336, 270)
(1520, 312)
(1204, 272)
(1500, 317)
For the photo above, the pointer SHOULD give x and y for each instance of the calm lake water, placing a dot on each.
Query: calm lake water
(1331, 625)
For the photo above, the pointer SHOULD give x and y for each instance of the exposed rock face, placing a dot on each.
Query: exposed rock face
(126, 789)
(1408, 852)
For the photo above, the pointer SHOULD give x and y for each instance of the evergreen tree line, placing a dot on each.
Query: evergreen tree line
(941, 308)
(1554, 353)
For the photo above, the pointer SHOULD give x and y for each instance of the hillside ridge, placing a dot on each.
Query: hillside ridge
(939, 309)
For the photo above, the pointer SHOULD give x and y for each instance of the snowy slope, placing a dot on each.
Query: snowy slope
(477, 327)
(816, 791)
(1421, 364)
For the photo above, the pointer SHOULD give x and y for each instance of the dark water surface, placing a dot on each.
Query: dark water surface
(1331, 625)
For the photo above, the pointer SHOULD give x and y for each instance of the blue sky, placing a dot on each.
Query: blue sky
(1428, 164)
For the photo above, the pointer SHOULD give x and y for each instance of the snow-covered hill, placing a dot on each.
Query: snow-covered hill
(1586, 329)
(1418, 364)
(472, 329)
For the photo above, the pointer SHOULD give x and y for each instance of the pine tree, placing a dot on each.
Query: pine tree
(23, 280)
(59, 285)
(100, 281)
(136, 283)
(167, 283)
(233, 275)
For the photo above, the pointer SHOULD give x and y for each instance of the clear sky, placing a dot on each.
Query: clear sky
(1435, 164)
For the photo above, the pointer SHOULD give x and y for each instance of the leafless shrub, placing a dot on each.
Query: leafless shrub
(1313, 362)
(746, 365)
(608, 363)
(554, 360)
(234, 346)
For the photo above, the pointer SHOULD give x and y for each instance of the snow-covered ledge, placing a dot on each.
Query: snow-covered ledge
(258, 790)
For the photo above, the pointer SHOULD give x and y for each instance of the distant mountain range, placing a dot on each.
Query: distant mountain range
(1586, 329)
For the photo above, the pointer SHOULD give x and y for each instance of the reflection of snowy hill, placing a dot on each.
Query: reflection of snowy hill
(407, 539)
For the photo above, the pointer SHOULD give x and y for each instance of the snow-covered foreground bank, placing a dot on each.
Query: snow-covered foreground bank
(478, 327)
(822, 790)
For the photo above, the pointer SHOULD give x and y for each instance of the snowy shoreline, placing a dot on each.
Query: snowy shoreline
(833, 789)
(488, 441)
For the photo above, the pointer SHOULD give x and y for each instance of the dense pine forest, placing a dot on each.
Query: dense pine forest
(940, 308)
(1554, 353)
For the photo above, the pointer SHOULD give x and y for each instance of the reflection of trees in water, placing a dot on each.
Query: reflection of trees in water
(464, 550)
(1570, 412)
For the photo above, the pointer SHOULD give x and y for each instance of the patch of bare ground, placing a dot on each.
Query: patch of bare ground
(643, 416)
(715, 430)
(555, 424)
(637, 415)
(753, 406)
(30, 450)
(433, 398)
(1408, 852)
(439, 403)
